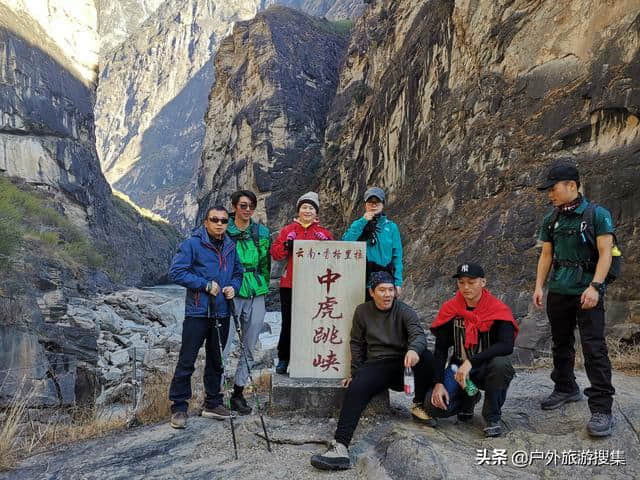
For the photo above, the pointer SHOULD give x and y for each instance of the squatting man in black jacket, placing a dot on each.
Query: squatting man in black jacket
(386, 337)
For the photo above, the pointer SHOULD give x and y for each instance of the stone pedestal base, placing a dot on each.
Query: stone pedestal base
(314, 397)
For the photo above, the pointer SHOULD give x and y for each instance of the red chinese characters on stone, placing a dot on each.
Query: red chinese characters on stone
(327, 335)
(358, 254)
(300, 253)
(328, 279)
(325, 363)
(325, 309)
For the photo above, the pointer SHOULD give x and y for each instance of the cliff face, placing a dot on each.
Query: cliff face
(118, 20)
(276, 76)
(331, 9)
(61, 227)
(153, 92)
(152, 99)
(456, 108)
(71, 26)
(46, 128)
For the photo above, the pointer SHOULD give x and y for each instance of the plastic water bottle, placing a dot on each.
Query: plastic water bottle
(409, 383)
(470, 387)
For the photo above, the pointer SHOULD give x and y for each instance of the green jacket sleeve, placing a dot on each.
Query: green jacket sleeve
(355, 230)
(604, 223)
(264, 262)
(545, 235)
(396, 256)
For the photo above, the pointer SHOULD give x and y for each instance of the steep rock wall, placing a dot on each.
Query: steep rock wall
(456, 108)
(152, 99)
(276, 76)
(47, 147)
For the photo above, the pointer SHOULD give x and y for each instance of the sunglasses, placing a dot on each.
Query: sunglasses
(223, 221)
(246, 206)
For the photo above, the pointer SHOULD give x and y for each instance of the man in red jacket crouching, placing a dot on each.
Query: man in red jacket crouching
(482, 331)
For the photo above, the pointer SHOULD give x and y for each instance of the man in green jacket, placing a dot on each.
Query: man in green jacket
(576, 291)
(252, 246)
(384, 247)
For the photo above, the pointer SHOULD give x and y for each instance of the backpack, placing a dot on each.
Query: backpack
(588, 234)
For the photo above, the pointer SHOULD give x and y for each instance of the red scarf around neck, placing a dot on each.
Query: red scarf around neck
(488, 310)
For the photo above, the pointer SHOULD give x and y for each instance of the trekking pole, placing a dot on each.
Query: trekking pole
(232, 308)
(226, 390)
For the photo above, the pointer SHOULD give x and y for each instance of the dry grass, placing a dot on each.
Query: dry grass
(262, 379)
(10, 428)
(20, 437)
(86, 423)
(625, 358)
(155, 405)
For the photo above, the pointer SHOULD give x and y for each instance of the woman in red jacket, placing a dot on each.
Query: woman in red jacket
(305, 227)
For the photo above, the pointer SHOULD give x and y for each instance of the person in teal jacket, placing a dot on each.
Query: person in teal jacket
(384, 247)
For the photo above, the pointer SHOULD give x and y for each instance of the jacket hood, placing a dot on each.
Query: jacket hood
(201, 233)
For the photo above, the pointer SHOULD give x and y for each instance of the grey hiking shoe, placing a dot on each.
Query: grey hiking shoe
(600, 425)
(219, 413)
(557, 399)
(179, 420)
(493, 429)
(335, 458)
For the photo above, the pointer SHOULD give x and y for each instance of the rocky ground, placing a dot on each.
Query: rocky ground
(387, 446)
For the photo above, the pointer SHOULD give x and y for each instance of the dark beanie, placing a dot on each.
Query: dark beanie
(376, 278)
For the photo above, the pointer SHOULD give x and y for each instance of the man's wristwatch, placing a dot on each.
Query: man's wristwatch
(600, 287)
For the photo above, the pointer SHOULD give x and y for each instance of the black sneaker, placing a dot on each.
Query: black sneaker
(600, 425)
(468, 405)
(557, 399)
(335, 458)
(493, 429)
(282, 366)
(240, 405)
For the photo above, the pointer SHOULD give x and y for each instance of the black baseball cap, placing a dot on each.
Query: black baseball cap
(558, 174)
(471, 270)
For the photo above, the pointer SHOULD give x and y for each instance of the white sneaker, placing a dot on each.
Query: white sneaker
(335, 458)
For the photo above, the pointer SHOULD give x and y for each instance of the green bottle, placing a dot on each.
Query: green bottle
(470, 387)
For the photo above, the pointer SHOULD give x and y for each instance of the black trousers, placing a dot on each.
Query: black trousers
(564, 312)
(284, 343)
(195, 332)
(374, 377)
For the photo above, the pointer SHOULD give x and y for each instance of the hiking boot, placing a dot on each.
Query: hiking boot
(219, 413)
(240, 405)
(179, 420)
(600, 425)
(282, 366)
(557, 399)
(468, 405)
(335, 458)
(419, 414)
(493, 429)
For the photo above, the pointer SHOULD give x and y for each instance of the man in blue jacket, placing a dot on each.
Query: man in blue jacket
(384, 247)
(207, 265)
